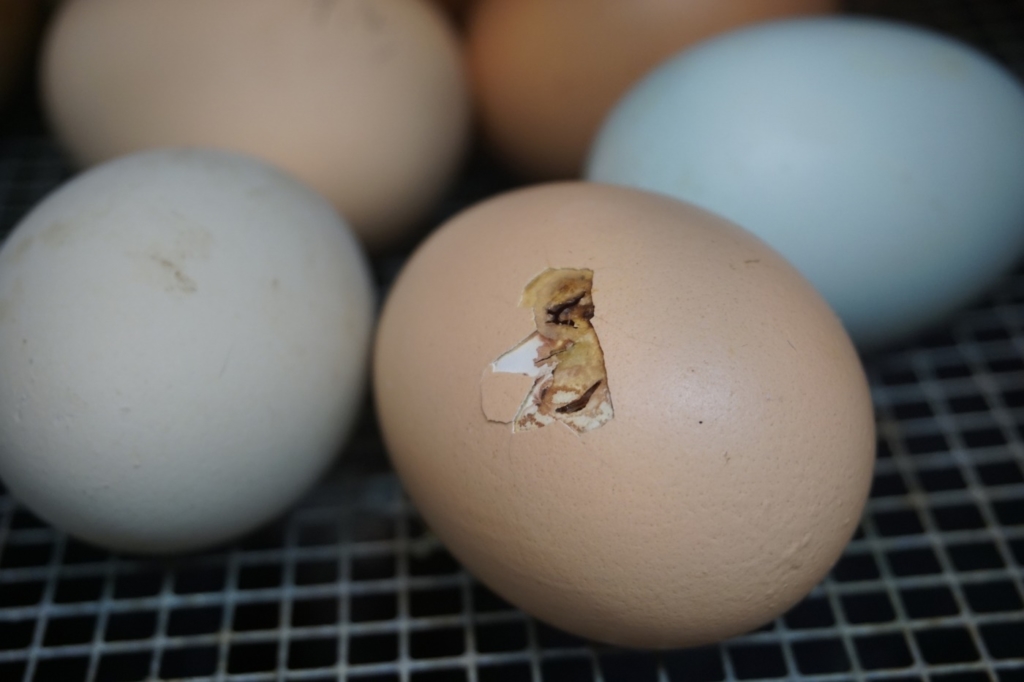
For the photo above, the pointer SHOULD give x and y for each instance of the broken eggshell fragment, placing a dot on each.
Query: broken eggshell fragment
(740, 453)
(563, 357)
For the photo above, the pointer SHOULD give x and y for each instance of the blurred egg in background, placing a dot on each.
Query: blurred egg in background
(183, 348)
(364, 100)
(545, 72)
(886, 162)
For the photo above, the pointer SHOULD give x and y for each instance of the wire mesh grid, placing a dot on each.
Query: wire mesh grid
(350, 585)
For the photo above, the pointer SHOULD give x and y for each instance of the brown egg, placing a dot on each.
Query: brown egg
(546, 72)
(625, 415)
(365, 100)
(19, 23)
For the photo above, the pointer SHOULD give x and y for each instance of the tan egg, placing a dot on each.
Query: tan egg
(365, 100)
(625, 415)
(546, 72)
(19, 23)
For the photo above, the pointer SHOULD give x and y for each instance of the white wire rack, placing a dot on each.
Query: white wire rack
(350, 586)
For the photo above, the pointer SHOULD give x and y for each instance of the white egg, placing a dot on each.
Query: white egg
(183, 344)
(885, 162)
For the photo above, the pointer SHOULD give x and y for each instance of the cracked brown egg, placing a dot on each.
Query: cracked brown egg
(625, 415)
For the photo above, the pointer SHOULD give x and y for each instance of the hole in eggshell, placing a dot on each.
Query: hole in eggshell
(562, 361)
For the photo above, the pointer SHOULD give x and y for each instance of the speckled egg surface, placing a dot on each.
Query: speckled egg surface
(625, 415)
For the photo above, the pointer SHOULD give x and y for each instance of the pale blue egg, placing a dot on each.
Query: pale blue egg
(886, 162)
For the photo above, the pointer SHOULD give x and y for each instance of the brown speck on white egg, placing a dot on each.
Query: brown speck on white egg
(147, 370)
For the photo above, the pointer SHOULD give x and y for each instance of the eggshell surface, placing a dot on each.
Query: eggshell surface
(736, 463)
(365, 100)
(546, 72)
(183, 337)
(884, 161)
